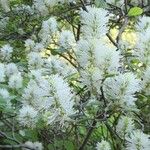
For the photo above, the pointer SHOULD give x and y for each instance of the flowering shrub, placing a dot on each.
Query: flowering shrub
(67, 81)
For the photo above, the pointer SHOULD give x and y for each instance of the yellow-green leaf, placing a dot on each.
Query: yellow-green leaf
(135, 11)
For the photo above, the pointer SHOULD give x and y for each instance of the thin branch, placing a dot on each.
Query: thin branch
(88, 135)
(125, 23)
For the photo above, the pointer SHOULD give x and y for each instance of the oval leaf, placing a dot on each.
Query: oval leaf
(135, 11)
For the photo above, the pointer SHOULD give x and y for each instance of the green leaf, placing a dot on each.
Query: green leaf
(2, 103)
(135, 11)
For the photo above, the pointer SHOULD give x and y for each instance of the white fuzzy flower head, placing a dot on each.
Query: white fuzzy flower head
(28, 116)
(94, 22)
(55, 65)
(2, 72)
(36, 94)
(92, 78)
(63, 94)
(11, 69)
(6, 52)
(40, 6)
(67, 40)
(48, 31)
(35, 60)
(106, 58)
(4, 93)
(125, 126)
(33, 145)
(29, 44)
(3, 22)
(51, 3)
(5, 5)
(138, 141)
(15, 81)
(143, 24)
(122, 88)
(103, 145)
(38, 47)
(85, 52)
(141, 50)
(146, 81)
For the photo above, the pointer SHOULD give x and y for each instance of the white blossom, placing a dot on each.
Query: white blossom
(3, 22)
(122, 88)
(37, 96)
(103, 145)
(15, 81)
(85, 52)
(6, 96)
(11, 69)
(56, 65)
(107, 59)
(5, 5)
(29, 44)
(40, 6)
(141, 50)
(6, 52)
(38, 47)
(92, 78)
(143, 24)
(94, 22)
(28, 116)
(33, 145)
(2, 72)
(67, 40)
(49, 28)
(125, 126)
(63, 94)
(138, 141)
(4, 93)
(35, 60)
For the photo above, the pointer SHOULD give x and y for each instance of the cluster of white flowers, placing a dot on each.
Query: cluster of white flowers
(125, 126)
(142, 51)
(32, 46)
(51, 98)
(95, 58)
(5, 5)
(35, 60)
(55, 65)
(32, 145)
(67, 40)
(6, 52)
(27, 116)
(6, 96)
(14, 77)
(21, 9)
(122, 88)
(48, 31)
(94, 22)
(4, 22)
(138, 141)
(103, 145)
(2, 72)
